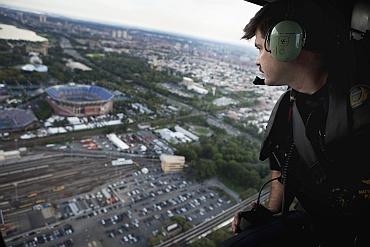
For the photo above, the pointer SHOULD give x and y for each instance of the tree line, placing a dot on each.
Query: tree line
(234, 160)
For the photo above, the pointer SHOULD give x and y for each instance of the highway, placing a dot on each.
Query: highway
(183, 239)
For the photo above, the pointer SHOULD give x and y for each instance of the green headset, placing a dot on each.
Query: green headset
(285, 40)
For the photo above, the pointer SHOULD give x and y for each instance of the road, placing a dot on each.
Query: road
(203, 229)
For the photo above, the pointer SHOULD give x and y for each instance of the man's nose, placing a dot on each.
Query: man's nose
(258, 62)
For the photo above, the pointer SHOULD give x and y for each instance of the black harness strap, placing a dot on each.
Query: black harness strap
(301, 141)
(304, 146)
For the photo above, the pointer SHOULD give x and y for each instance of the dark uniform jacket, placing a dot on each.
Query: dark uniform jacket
(323, 149)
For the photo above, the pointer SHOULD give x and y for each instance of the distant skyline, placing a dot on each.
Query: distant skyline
(220, 20)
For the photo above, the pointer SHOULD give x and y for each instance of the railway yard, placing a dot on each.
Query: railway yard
(70, 197)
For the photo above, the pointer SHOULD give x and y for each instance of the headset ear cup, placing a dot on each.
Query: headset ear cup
(286, 40)
(267, 39)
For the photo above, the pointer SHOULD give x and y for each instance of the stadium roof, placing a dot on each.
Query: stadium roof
(14, 118)
(78, 93)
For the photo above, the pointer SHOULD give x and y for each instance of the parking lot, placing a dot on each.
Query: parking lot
(130, 210)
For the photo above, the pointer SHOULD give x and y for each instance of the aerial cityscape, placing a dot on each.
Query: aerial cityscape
(119, 136)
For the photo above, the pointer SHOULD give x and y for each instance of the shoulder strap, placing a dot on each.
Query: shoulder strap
(302, 143)
(304, 147)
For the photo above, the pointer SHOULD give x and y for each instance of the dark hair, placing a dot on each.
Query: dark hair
(263, 20)
(309, 15)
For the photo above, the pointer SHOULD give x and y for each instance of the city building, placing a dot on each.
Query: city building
(172, 163)
(7, 155)
(37, 68)
(39, 47)
(192, 86)
(42, 18)
(186, 133)
(121, 145)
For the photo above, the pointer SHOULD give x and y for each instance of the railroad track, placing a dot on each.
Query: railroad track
(40, 177)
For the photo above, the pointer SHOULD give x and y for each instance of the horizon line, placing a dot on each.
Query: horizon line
(116, 24)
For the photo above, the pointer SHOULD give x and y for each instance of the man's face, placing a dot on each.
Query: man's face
(274, 71)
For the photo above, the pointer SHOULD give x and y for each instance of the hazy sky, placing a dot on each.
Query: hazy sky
(221, 20)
